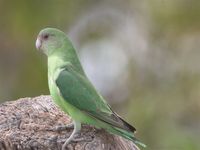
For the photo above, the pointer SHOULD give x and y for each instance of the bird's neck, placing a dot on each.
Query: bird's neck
(59, 59)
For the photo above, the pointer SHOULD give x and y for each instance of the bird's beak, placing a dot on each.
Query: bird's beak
(38, 43)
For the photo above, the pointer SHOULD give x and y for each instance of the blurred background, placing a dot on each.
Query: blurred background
(143, 56)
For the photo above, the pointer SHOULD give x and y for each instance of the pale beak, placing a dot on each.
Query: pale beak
(38, 43)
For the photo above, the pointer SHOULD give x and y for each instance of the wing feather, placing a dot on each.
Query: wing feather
(77, 90)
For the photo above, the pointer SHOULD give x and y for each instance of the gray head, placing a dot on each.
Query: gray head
(50, 39)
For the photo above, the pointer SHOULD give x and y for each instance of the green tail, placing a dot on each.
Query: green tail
(127, 135)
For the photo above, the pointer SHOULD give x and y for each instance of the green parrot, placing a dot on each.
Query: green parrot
(72, 91)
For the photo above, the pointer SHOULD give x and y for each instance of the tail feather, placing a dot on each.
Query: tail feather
(130, 127)
(128, 136)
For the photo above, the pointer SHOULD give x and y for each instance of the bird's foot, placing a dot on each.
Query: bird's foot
(77, 128)
(76, 138)
(63, 127)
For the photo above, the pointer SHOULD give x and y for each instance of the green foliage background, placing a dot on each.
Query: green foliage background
(164, 93)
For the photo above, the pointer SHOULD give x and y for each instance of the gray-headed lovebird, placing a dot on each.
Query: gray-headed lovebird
(72, 91)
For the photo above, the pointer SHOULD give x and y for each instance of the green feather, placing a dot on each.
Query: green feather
(73, 92)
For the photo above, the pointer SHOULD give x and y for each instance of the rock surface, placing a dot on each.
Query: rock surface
(30, 124)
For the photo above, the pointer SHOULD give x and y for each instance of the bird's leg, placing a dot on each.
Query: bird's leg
(77, 128)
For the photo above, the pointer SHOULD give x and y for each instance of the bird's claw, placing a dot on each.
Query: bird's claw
(63, 127)
(78, 139)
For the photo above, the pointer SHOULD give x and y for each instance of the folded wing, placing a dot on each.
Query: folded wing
(77, 90)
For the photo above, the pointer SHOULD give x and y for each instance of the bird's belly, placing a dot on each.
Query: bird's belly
(63, 104)
(57, 97)
(75, 113)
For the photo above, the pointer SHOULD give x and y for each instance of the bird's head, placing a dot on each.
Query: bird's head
(49, 40)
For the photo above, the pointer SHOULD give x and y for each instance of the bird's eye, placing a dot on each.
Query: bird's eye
(46, 36)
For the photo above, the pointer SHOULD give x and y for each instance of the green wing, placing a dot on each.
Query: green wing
(77, 90)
